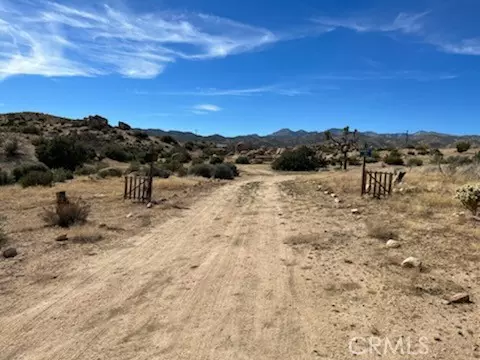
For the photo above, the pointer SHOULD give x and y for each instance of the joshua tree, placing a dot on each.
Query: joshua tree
(345, 143)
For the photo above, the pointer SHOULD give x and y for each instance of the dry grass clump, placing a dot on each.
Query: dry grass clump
(66, 215)
(381, 230)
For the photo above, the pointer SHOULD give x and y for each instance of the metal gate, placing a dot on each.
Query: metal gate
(138, 188)
(377, 184)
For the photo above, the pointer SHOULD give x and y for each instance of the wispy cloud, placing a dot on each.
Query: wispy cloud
(463, 47)
(403, 22)
(52, 39)
(251, 91)
(385, 75)
(207, 107)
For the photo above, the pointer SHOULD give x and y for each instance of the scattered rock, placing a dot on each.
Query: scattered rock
(392, 244)
(411, 262)
(325, 192)
(102, 226)
(333, 195)
(319, 188)
(460, 298)
(149, 205)
(63, 237)
(129, 215)
(355, 211)
(10, 253)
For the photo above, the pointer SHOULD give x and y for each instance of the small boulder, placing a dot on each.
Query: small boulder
(10, 253)
(325, 192)
(338, 201)
(63, 237)
(392, 244)
(149, 205)
(333, 195)
(460, 298)
(411, 262)
(355, 211)
(124, 126)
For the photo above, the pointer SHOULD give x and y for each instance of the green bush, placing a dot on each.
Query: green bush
(22, 170)
(6, 178)
(31, 129)
(463, 146)
(203, 170)
(223, 171)
(172, 166)
(62, 175)
(458, 160)
(216, 160)
(414, 162)
(140, 135)
(181, 155)
(354, 161)
(394, 158)
(469, 196)
(12, 148)
(183, 171)
(118, 153)
(86, 169)
(63, 152)
(110, 172)
(158, 172)
(37, 178)
(301, 159)
(242, 160)
(168, 140)
(134, 167)
(233, 168)
(197, 161)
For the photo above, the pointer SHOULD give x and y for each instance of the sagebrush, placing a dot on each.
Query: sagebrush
(66, 215)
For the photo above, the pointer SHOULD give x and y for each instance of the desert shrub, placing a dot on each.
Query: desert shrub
(301, 159)
(414, 162)
(157, 172)
(463, 146)
(423, 152)
(476, 157)
(66, 215)
(183, 171)
(233, 168)
(110, 172)
(12, 148)
(133, 167)
(381, 230)
(22, 170)
(140, 135)
(458, 160)
(172, 166)
(37, 178)
(63, 152)
(394, 158)
(197, 161)
(203, 170)
(223, 171)
(62, 175)
(31, 129)
(216, 160)
(86, 169)
(469, 196)
(354, 161)
(117, 152)
(242, 160)
(410, 152)
(189, 145)
(6, 178)
(168, 140)
(181, 155)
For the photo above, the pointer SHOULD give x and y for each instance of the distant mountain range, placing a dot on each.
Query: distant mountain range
(287, 137)
(280, 138)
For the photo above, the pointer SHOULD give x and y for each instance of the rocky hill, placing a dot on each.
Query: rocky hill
(97, 130)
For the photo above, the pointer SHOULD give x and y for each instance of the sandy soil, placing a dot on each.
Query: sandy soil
(263, 268)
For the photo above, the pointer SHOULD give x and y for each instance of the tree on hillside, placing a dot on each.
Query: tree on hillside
(463, 146)
(345, 143)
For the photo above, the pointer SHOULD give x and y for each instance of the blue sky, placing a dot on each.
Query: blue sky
(243, 66)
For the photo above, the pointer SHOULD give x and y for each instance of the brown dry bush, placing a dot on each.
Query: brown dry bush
(66, 215)
(381, 230)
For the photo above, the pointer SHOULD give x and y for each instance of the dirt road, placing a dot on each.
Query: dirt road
(250, 272)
